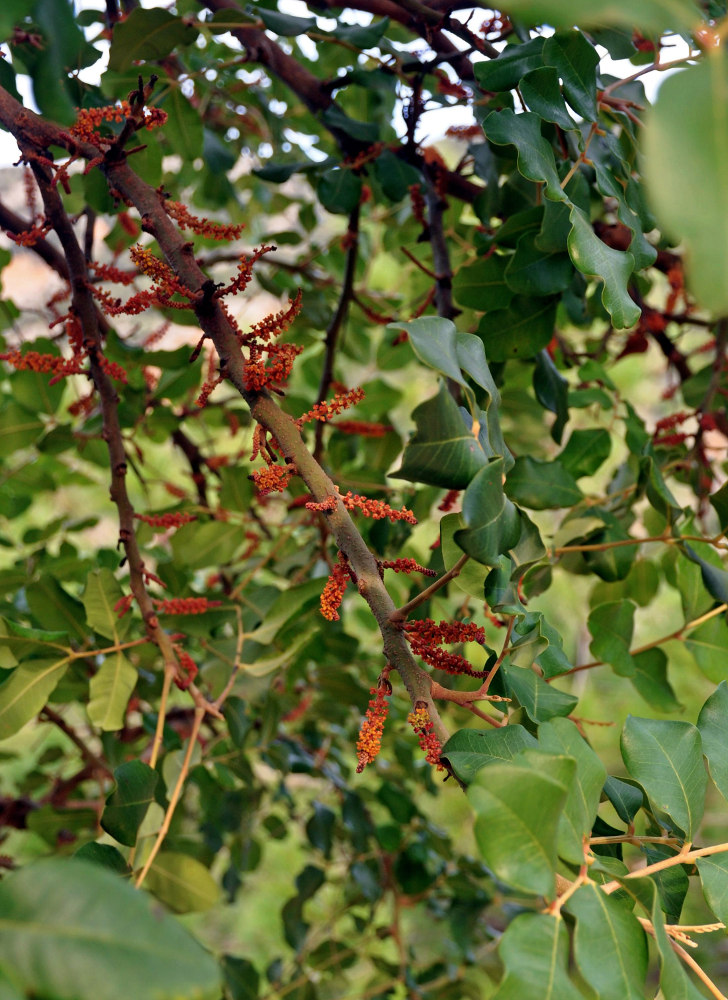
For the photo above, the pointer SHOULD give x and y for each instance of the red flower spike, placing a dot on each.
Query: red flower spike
(203, 227)
(408, 566)
(370, 735)
(123, 605)
(333, 593)
(363, 428)
(429, 743)
(426, 637)
(325, 410)
(168, 520)
(188, 669)
(272, 479)
(185, 605)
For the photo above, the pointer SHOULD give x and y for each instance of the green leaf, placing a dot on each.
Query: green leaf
(713, 726)
(709, 645)
(520, 331)
(541, 701)
(19, 428)
(182, 882)
(53, 606)
(482, 285)
(506, 71)
(443, 451)
(541, 91)
(575, 60)
(71, 929)
(284, 24)
(197, 546)
(127, 805)
(104, 855)
(626, 799)
(552, 392)
(689, 196)
(147, 35)
(714, 880)
(472, 576)
(610, 947)
(362, 36)
(654, 16)
(109, 691)
(395, 176)
(614, 267)
(534, 272)
(434, 341)
(666, 758)
(719, 503)
(183, 129)
(650, 679)
(585, 452)
(242, 979)
(535, 156)
(714, 579)
(470, 749)
(287, 606)
(339, 191)
(27, 642)
(611, 626)
(101, 594)
(492, 522)
(517, 816)
(560, 736)
(338, 121)
(535, 953)
(541, 485)
(26, 691)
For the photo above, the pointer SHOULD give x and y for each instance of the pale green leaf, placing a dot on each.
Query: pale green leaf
(182, 882)
(101, 594)
(535, 953)
(26, 691)
(109, 691)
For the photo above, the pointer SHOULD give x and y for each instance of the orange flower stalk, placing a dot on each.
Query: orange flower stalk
(426, 638)
(408, 566)
(376, 509)
(333, 593)
(429, 743)
(169, 520)
(272, 479)
(203, 227)
(325, 410)
(185, 605)
(370, 734)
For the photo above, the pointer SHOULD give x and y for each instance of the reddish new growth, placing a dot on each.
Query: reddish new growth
(123, 605)
(168, 520)
(464, 132)
(89, 120)
(417, 201)
(408, 566)
(372, 727)
(272, 479)
(376, 509)
(449, 501)
(165, 285)
(29, 237)
(187, 669)
(446, 86)
(663, 427)
(364, 428)
(325, 410)
(333, 592)
(426, 638)
(260, 374)
(207, 389)
(429, 743)
(54, 364)
(185, 605)
(203, 227)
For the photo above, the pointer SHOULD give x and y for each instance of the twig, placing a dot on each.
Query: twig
(403, 613)
(86, 753)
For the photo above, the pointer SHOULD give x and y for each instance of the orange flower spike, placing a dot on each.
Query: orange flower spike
(423, 728)
(203, 227)
(370, 734)
(408, 566)
(168, 520)
(272, 479)
(333, 593)
(377, 509)
(325, 410)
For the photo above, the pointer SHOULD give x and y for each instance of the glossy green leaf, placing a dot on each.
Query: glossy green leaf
(561, 736)
(147, 35)
(434, 341)
(517, 816)
(182, 883)
(552, 392)
(55, 607)
(71, 929)
(533, 272)
(535, 155)
(535, 954)
(689, 195)
(24, 693)
(541, 485)
(714, 880)
(285, 24)
(575, 60)
(443, 451)
(715, 579)
(24, 642)
(591, 256)
(541, 91)
(651, 15)
(105, 856)
(610, 947)
(184, 127)
(520, 331)
(472, 576)
(709, 645)
(468, 750)
(611, 626)
(339, 191)
(713, 726)
(666, 758)
(585, 452)
(109, 691)
(511, 65)
(492, 523)
(626, 799)
(395, 176)
(541, 701)
(719, 503)
(127, 805)
(650, 679)
(482, 285)
(287, 607)
(212, 544)
(101, 594)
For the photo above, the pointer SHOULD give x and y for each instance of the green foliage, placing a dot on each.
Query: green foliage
(512, 546)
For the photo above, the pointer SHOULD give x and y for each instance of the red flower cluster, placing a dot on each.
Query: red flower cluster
(364, 428)
(366, 156)
(333, 592)
(408, 566)
(464, 132)
(446, 86)
(123, 605)
(58, 366)
(188, 669)
(203, 227)
(272, 479)
(417, 201)
(376, 509)
(29, 237)
(429, 743)
(449, 501)
(169, 520)
(325, 410)
(370, 735)
(89, 120)
(427, 637)
(185, 605)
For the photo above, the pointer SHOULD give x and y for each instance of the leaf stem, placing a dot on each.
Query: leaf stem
(402, 614)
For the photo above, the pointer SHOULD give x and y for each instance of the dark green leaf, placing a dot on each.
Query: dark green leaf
(512, 64)
(713, 726)
(492, 522)
(626, 799)
(147, 35)
(469, 749)
(611, 626)
(650, 679)
(284, 24)
(591, 256)
(339, 191)
(585, 452)
(541, 701)
(519, 331)
(395, 176)
(533, 272)
(127, 805)
(541, 485)
(551, 390)
(575, 60)
(541, 91)
(535, 155)
(104, 855)
(535, 954)
(482, 285)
